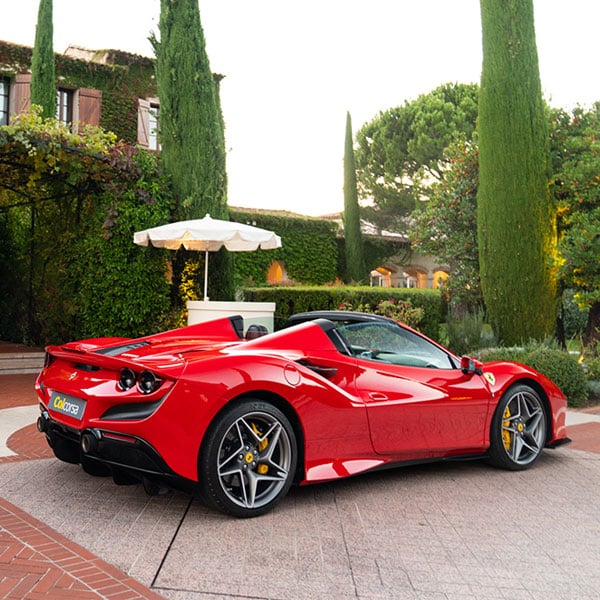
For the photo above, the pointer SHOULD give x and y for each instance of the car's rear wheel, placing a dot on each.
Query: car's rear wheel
(518, 432)
(248, 459)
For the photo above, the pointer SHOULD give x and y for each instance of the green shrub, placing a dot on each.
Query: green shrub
(594, 391)
(399, 310)
(469, 333)
(512, 354)
(592, 368)
(292, 300)
(561, 368)
(574, 318)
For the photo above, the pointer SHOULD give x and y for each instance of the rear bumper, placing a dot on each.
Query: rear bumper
(119, 452)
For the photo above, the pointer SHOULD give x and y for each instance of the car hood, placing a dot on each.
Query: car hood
(501, 374)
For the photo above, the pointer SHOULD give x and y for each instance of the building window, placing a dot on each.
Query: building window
(381, 277)
(148, 126)
(3, 101)
(439, 279)
(277, 273)
(153, 143)
(64, 105)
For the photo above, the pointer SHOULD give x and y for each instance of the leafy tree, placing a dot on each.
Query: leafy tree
(13, 298)
(70, 204)
(43, 85)
(191, 126)
(580, 270)
(577, 188)
(447, 227)
(516, 220)
(401, 151)
(355, 258)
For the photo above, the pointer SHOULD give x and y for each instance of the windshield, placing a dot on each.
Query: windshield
(390, 343)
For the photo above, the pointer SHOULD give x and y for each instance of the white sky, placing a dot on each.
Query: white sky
(292, 70)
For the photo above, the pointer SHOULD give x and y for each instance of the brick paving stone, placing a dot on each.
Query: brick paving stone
(439, 531)
(41, 574)
(28, 443)
(585, 437)
(17, 390)
(435, 532)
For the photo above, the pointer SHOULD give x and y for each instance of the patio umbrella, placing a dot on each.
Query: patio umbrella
(208, 235)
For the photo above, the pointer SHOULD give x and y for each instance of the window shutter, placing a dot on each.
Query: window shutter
(20, 94)
(143, 128)
(90, 104)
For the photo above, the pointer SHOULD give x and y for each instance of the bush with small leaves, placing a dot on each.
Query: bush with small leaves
(469, 333)
(564, 370)
(557, 365)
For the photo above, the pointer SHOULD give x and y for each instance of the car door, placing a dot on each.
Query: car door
(419, 402)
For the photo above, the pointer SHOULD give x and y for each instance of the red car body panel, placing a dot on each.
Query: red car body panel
(351, 414)
(507, 373)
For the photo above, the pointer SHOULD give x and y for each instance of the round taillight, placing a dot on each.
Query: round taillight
(148, 382)
(127, 379)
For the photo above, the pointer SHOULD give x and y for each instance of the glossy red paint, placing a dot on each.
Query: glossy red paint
(352, 408)
(506, 374)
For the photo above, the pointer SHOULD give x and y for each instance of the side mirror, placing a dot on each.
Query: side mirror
(471, 366)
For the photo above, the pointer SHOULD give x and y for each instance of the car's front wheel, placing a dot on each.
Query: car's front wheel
(518, 432)
(248, 459)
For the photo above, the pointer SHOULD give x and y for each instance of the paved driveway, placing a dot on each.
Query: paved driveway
(436, 532)
(445, 531)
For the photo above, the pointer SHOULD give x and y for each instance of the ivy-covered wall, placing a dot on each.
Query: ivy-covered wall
(312, 249)
(128, 78)
(69, 205)
(377, 251)
(309, 250)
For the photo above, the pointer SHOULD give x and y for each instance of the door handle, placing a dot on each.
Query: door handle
(377, 396)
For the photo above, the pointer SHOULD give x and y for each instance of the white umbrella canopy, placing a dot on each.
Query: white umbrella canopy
(208, 235)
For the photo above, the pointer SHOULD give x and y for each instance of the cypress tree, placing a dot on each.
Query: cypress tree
(191, 130)
(191, 127)
(355, 258)
(516, 224)
(43, 84)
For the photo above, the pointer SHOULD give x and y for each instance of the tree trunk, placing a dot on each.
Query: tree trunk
(591, 337)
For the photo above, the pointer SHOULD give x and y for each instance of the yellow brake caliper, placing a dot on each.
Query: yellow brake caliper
(506, 435)
(262, 468)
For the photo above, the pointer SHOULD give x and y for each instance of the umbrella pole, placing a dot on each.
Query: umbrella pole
(205, 274)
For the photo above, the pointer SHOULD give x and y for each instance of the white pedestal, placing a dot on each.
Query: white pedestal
(261, 313)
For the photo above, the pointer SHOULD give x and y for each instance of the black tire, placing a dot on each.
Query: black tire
(519, 429)
(248, 459)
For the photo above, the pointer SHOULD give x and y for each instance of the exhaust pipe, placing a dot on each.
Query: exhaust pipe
(89, 441)
(42, 422)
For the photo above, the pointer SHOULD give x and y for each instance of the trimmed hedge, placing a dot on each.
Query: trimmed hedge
(291, 300)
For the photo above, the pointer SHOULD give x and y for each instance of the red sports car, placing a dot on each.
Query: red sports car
(240, 418)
